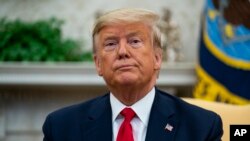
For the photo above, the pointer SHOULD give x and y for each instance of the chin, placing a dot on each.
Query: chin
(126, 80)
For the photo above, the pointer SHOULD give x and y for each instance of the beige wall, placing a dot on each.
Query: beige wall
(79, 15)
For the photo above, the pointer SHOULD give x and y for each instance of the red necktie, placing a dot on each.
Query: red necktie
(125, 132)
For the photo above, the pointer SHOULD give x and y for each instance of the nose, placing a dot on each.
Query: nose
(123, 50)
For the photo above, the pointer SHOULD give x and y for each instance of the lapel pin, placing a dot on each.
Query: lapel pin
(169, 127)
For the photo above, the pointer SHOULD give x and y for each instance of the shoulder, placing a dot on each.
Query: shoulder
(193, 118)
(66, 122)
(183, 107)
(195, 123)
(77, 110)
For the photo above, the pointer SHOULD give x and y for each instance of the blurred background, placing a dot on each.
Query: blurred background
(46, 62)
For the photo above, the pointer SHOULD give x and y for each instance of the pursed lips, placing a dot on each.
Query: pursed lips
(124, 67)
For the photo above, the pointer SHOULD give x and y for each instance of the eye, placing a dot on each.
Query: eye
(135, 42)
(110, 44)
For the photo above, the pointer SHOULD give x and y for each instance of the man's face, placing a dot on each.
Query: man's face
(126, 56)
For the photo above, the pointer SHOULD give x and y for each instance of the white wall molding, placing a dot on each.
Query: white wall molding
(176, 74)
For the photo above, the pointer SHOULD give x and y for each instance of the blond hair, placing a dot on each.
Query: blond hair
(128, 16)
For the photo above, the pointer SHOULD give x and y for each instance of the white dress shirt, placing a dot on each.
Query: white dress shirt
(139, 124)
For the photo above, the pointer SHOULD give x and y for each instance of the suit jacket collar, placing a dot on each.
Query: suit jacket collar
(162, 114)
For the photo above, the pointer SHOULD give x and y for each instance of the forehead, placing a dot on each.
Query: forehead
(124, 29)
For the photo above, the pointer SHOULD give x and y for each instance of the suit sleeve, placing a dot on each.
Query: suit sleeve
(216, 131)
(47, 130)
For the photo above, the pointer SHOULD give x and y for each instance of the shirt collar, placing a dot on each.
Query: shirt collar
(142, 107)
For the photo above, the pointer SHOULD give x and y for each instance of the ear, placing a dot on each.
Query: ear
(158, 58)
(98, 65)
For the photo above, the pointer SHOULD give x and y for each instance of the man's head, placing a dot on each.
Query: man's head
(127, 47)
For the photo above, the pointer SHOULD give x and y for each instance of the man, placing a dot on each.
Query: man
(128, 55)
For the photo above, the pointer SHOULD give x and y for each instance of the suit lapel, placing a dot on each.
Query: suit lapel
(98, 125)
(162, 114)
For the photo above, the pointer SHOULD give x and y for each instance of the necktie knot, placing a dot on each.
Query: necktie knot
(128, 114)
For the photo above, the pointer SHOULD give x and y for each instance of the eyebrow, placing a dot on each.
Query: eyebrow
(113, 37)
(134, 33)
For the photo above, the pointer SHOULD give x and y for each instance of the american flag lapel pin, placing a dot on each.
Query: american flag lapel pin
(169, 127)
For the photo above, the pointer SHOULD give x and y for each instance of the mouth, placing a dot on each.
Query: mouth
(125, 67)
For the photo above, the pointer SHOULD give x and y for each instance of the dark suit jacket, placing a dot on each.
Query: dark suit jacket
(91, 121)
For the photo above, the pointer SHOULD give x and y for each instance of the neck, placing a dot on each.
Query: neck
(129, 95)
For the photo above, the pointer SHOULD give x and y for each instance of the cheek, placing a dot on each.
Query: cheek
(145, 62)
(107, 62)
(144, 56)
